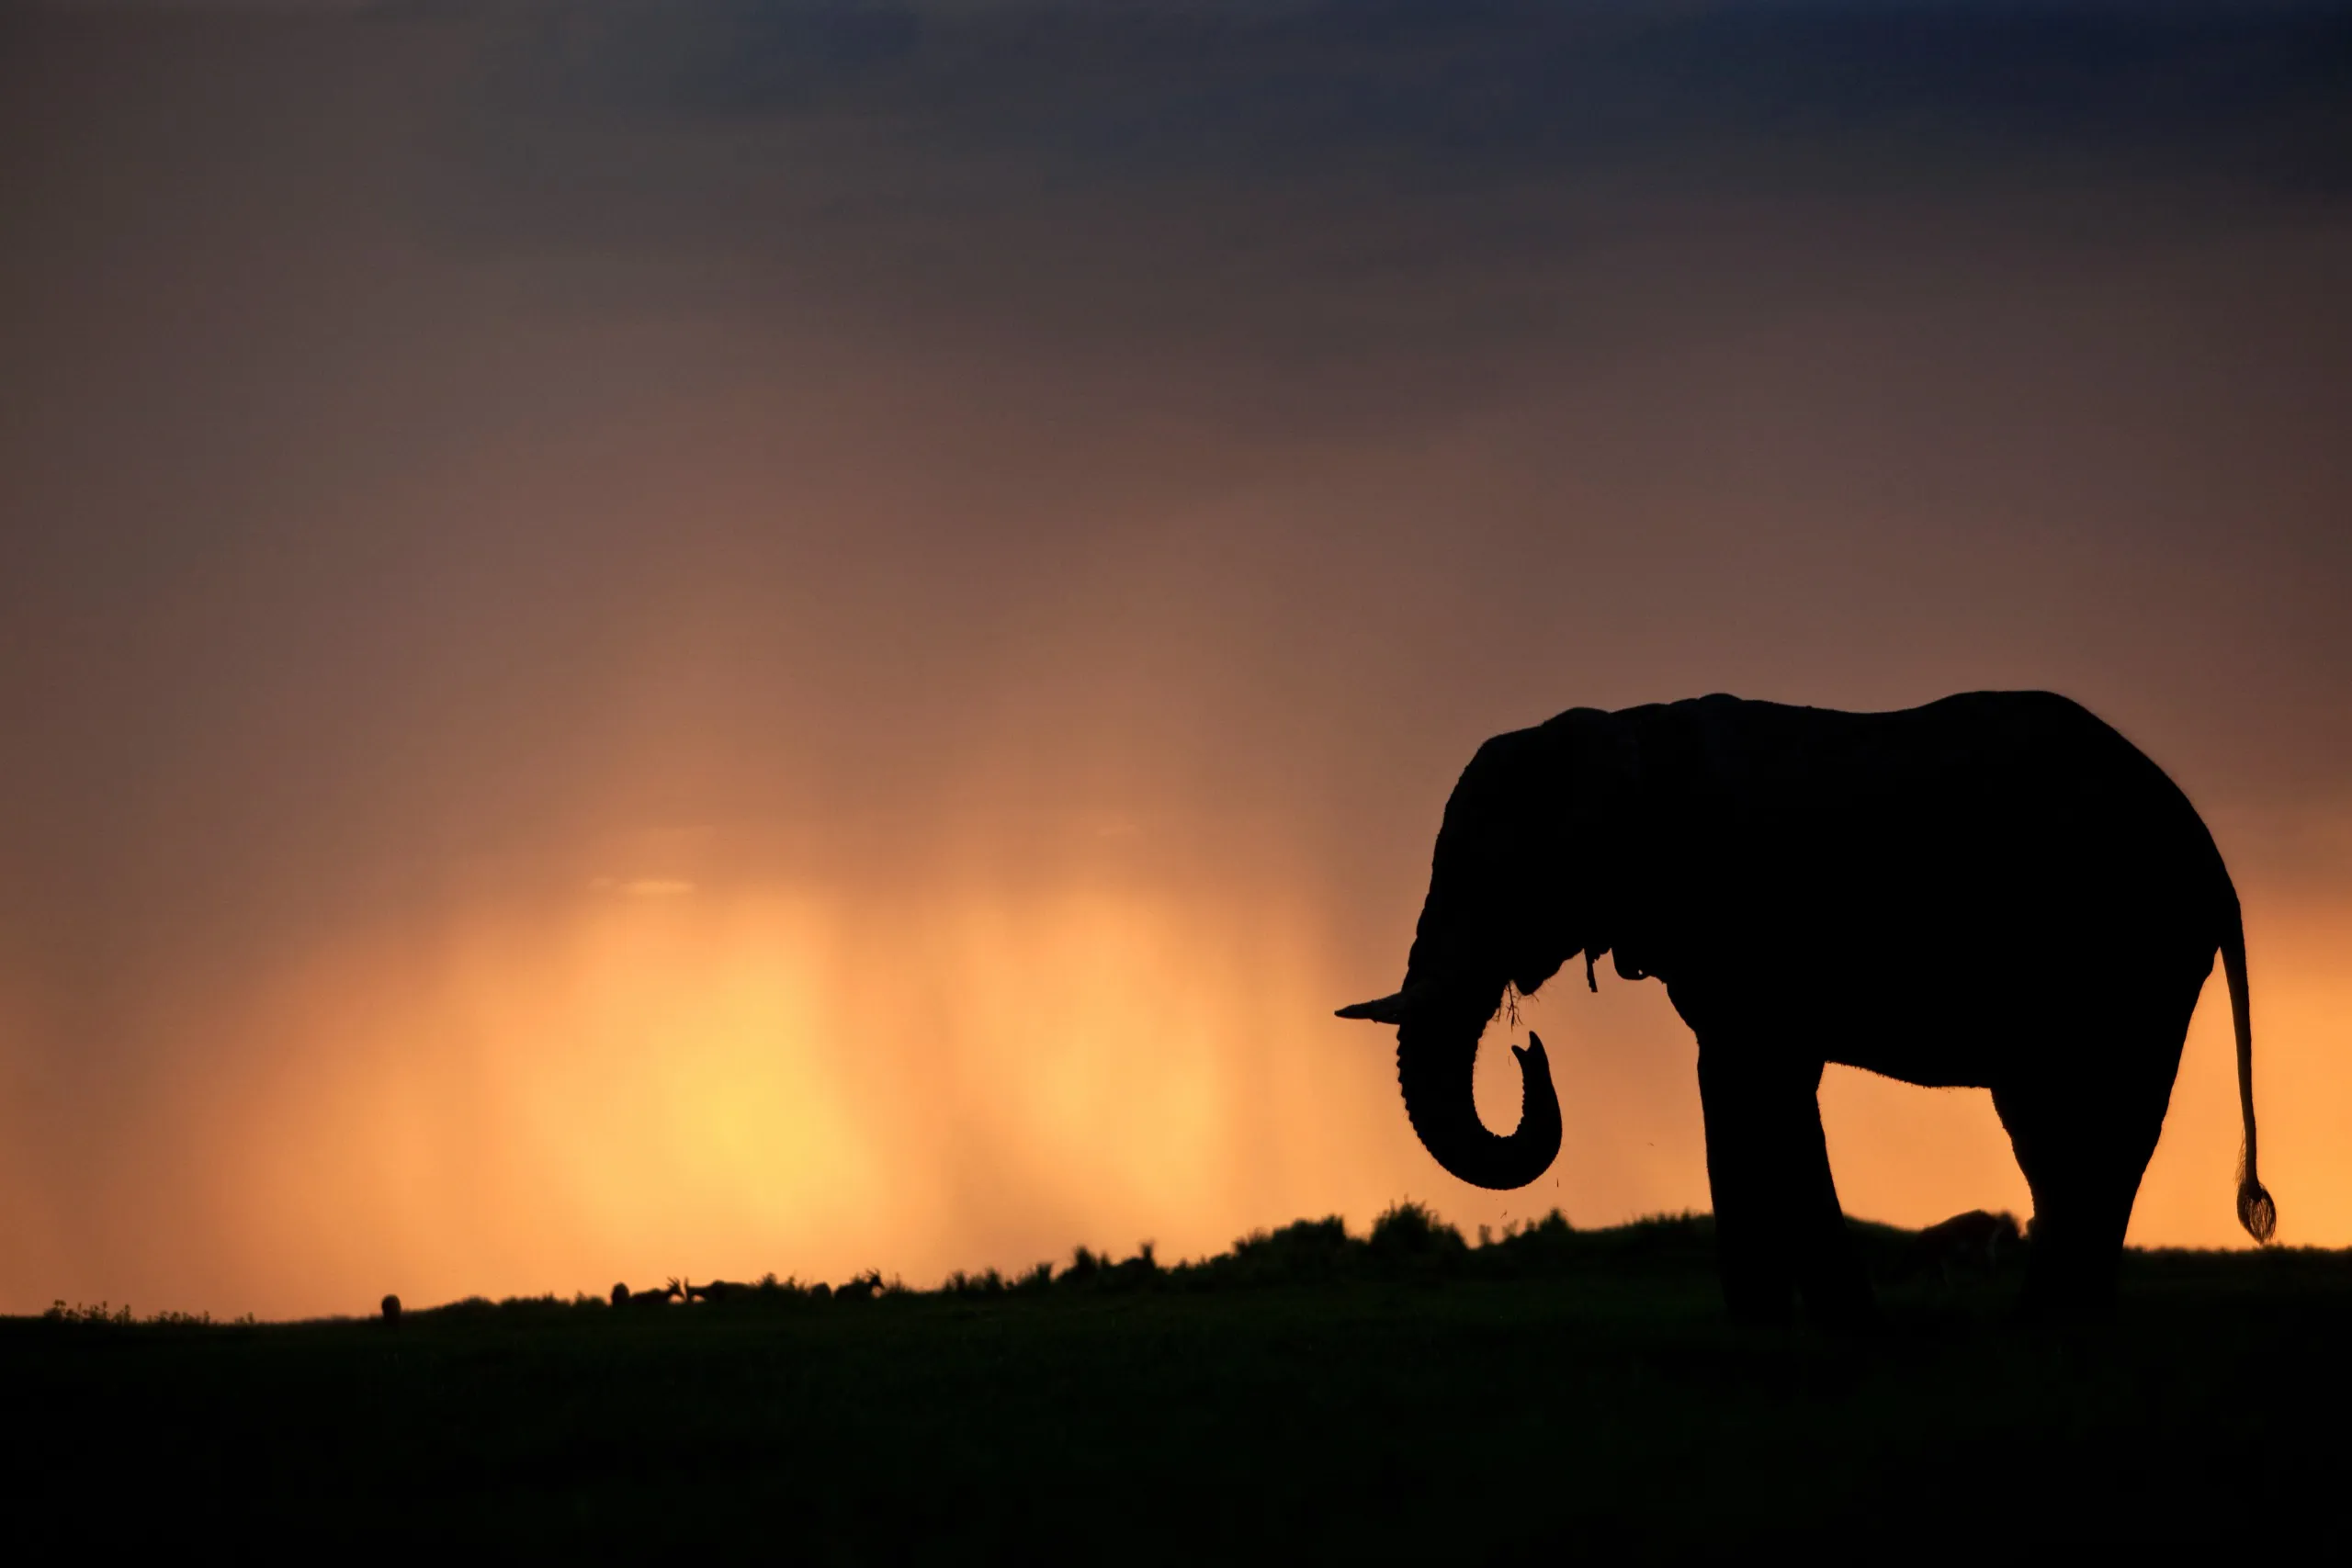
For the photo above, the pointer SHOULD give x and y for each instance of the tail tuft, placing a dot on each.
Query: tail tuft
(2256, 1213)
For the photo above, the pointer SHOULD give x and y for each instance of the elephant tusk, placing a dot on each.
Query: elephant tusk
(1380, 1009)
(1589, 980)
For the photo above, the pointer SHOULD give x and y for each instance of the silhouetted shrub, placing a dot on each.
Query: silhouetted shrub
(987, 1282)
(1140, 1273)
(1548, 1247)
(1304, 1251)
(59, 1313)
(1408, 1239)
(1090, 1270)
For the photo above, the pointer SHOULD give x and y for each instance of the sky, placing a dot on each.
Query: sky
(724, 638)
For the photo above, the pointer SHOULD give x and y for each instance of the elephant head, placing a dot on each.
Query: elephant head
(1522, 879)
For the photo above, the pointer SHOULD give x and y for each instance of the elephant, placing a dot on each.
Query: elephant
(1995, 891)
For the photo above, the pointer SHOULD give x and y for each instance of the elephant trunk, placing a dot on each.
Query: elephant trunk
(1491, 919)
(1436, 1050)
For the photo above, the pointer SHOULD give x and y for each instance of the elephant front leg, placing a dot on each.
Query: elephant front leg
(1778, 1230)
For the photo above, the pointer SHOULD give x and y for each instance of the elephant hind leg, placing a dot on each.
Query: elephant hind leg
(1779, 1229)
(2082, 1154)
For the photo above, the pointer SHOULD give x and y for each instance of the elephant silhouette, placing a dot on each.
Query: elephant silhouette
(1995, 891)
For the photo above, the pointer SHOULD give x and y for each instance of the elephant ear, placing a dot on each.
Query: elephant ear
(1607, 823)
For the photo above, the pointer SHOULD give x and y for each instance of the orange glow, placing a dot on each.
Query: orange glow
(725, 1084)
(697, 1085)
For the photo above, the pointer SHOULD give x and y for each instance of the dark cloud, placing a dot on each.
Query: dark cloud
(1303, 180)
(711, 59)
(1485, 90)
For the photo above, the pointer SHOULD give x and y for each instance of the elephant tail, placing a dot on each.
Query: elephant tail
(2256, 1213)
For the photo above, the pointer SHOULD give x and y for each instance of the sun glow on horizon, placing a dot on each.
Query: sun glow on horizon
(801, 1081)
(785, 1081)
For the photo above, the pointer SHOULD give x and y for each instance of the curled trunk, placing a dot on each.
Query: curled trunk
(1434, 1058)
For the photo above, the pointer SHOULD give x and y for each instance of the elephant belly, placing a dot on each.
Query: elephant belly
(1960, 1019)
(1954, 1043)
(1930, 1060)
(1943, 1025)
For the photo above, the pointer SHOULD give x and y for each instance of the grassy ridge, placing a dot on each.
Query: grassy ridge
(1386, 1398)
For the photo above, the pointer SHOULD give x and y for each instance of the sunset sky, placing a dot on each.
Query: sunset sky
(714, 638)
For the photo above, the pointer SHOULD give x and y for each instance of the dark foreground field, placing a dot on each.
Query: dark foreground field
(1312, 1395)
